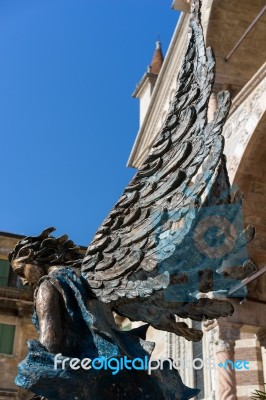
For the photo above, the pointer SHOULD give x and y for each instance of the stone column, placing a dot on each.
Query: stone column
(212, 107)
(209, 339)
(249, 348)
(226, 381)
(261, 337)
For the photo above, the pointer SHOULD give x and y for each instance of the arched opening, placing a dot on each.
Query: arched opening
(250, 178)
(228, 22)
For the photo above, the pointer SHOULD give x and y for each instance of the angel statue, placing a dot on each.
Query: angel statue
(172, 242)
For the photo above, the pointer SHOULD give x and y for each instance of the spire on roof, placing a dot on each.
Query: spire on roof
(157, 60)
(145, 87)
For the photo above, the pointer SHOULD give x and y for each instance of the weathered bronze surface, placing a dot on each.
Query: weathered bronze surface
(152, 258)
(148, 240)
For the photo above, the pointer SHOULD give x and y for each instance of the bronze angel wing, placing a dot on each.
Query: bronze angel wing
(150, 245)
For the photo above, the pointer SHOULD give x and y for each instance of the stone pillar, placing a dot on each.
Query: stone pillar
(261, 336)
(226, 381)
(210, 330)
(212, 107)
(249, 348)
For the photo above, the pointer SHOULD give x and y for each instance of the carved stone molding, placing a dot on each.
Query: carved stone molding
(209, 324)
(206, 12)
(242, 123)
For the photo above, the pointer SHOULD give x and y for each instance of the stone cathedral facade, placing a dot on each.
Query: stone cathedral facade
(237, 33)
(16, 307)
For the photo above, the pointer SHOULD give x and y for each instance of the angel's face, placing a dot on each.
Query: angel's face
(33, 273)
(30, 273)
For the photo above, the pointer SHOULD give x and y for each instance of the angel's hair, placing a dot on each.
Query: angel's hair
(45, 251)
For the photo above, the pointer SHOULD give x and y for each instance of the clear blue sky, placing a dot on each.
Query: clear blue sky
(67, 118)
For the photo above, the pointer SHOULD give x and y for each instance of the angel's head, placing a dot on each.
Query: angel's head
(33, 256)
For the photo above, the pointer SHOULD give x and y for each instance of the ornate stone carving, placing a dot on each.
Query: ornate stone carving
(242, 123)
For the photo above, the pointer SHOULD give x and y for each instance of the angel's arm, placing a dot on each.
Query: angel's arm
(49, 313)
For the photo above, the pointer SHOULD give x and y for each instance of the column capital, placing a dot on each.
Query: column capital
(227, 334)
(209, 324)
